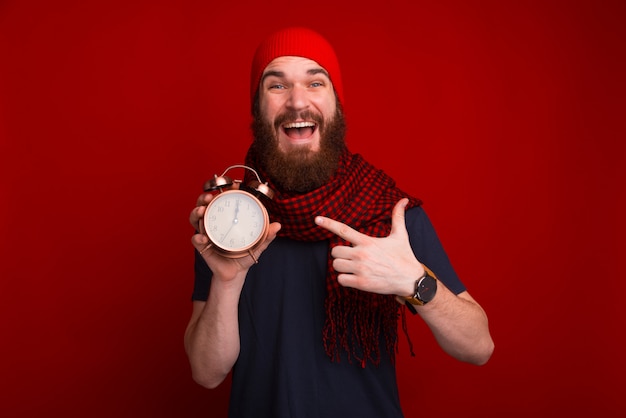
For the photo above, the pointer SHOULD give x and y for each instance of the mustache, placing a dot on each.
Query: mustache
(292, 116)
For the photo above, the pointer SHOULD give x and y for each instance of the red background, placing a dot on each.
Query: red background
(507, 119)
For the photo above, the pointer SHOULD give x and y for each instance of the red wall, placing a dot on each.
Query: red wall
(507, 119)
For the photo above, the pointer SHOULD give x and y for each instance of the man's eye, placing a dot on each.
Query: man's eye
(316, 84)
(276, 86)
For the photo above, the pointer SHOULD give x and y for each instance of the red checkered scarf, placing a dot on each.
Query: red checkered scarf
(362, 197)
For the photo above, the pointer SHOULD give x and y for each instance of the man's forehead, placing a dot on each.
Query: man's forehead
(288, 61)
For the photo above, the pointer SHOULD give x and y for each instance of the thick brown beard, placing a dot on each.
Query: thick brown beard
(300, 170)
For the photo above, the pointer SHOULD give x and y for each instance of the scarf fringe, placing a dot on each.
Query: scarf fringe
(357, 324)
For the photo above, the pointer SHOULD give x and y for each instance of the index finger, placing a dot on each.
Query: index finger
(340, 229)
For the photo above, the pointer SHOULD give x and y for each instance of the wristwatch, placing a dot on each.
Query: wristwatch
(425, 290)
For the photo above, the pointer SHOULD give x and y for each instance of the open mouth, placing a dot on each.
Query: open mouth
(299, 130)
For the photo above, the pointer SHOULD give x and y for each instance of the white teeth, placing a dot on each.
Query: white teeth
(299, 125)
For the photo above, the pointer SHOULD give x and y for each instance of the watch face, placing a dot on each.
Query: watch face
(427, 288)
(235, 221)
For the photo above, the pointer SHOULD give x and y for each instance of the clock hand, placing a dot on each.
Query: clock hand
(236, 212)
(235, 222)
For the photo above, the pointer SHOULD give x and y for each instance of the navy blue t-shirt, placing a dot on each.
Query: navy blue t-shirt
(282, 369)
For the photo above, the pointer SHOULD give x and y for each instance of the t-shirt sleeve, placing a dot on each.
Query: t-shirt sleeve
(202, 278)
(429, 250)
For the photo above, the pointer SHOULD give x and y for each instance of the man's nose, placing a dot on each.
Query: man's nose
(298, 98)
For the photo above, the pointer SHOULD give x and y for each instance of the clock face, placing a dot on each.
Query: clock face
(235, 221)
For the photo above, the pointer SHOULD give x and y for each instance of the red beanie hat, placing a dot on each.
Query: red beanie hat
(298, 42)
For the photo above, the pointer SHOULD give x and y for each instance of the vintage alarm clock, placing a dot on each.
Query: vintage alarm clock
(236, 221)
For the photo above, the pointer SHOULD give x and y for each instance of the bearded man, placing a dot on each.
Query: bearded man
(308, 322)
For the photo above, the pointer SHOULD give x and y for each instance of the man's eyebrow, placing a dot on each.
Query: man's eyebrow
(271, 73)
(280, 74)
(318, 71)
